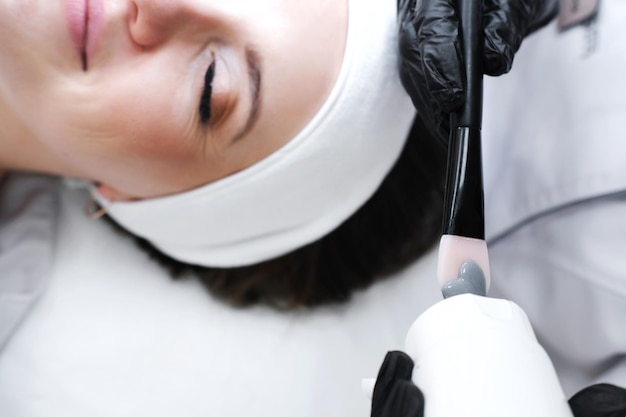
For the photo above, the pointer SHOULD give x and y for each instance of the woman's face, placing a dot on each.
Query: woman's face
(152, 97)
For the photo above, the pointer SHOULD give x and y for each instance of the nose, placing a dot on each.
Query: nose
(153, 22)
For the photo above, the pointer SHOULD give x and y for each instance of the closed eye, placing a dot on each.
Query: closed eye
(205, 100)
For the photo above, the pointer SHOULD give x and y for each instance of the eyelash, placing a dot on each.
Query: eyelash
(207, 92)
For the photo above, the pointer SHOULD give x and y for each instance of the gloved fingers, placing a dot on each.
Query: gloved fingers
(395, 395)
(411, 68)
(431, 64)
(601, 400)
(429, 46)
(396, 366)
(543, 15)
(443, 71)
(411, 75)
(405, 400)
(506, 23)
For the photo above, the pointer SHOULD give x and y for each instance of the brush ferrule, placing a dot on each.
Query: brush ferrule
(463, 203)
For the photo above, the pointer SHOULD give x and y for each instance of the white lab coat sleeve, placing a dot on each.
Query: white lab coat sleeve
(554, 127)
(567, 270)
(555, 193)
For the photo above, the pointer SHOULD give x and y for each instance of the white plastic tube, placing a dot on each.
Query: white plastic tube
(479, 357)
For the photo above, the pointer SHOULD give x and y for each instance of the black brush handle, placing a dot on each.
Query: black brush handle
(464, 200)
(470, 17)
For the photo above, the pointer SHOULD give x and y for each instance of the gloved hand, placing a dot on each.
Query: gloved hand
(600, 400)
(395, 395)
(431, 64)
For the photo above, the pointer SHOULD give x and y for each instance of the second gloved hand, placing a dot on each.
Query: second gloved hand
(431, 66)
(395, 395)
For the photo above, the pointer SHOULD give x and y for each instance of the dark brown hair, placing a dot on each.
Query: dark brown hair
(400, 222)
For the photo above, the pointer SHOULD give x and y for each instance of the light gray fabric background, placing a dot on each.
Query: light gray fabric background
(113, 335)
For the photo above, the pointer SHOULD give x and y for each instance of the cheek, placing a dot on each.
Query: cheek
(149, 116)
(130, 146)
(135, 133)
(118, 123)
(145, 131)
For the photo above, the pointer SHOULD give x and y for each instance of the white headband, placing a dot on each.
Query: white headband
(308, 187)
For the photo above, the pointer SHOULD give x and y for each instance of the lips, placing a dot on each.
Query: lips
(84, 19)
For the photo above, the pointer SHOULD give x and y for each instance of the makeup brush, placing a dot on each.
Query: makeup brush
(463, 264)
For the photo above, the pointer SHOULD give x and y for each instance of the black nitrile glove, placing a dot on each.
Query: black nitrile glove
(431, 63)
(601, 400)
(395, 395)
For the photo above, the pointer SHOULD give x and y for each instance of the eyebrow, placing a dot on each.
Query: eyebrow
(254, 75)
